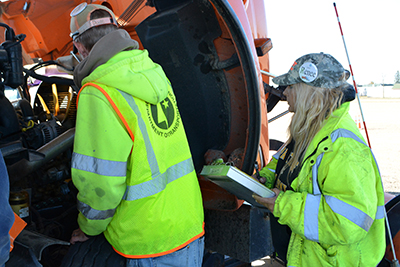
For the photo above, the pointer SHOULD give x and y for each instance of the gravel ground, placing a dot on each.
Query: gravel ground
(383, 127)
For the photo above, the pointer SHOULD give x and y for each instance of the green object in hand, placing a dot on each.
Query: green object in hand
(269, 182)
(218, 161)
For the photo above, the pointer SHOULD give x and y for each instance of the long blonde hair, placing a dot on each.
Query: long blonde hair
(313, 106)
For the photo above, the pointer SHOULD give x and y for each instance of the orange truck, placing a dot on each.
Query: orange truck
(215, 53)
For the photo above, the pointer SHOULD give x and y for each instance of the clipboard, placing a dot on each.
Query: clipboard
(236, 182)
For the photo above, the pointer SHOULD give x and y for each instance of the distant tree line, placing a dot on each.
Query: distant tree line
(397, 77)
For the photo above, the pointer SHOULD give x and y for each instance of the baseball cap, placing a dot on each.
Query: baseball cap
(317, 69)
(81, 22)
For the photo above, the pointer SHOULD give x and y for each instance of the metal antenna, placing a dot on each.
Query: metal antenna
(394, 262)
(352, 75)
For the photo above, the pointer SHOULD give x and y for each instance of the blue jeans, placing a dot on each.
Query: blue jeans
(6, 213)
(189, 256)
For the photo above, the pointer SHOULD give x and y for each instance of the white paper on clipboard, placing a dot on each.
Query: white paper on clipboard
(236, 182)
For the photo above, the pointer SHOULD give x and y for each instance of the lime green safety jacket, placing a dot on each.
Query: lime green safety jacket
(131, 162)
(336, 210)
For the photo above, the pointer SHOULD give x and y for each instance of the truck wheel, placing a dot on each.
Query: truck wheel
(94, 252)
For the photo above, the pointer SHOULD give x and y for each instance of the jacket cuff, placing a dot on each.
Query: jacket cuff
(277, 212)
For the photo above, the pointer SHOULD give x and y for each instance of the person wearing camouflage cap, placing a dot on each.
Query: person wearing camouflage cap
(131, 161)
(318, 70)
(329, 194)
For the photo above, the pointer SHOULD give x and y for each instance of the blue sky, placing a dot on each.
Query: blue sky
(371, 31)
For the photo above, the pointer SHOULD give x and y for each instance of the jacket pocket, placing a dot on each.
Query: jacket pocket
(327, 257)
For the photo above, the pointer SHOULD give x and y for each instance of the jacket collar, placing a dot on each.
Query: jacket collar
(102, 51)
(330, 124)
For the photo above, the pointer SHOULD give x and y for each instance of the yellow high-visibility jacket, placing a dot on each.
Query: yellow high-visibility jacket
(132, 163)
(336, 210)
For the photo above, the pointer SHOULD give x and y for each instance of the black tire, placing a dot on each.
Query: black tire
(94, 252)
(394, 201)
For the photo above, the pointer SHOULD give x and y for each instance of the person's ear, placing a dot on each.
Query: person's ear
(82, 50)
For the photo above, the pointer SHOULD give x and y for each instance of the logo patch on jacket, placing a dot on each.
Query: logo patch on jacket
(164, 117)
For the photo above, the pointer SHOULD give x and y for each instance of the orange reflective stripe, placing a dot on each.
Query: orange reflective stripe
(16, 229)
(162, 253)
(112, 104)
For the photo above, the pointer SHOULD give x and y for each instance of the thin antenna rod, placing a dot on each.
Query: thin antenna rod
(395, 262)
(352, 75)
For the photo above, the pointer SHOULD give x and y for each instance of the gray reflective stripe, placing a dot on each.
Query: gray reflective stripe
(159, 182)
(93, 214)
(345, 133)
(316, 190)
(349, 134)
(351, 213)
(311, 217)
(98, 166)
(272, 170)
(276, 155)
(380, 213)
(151, 157)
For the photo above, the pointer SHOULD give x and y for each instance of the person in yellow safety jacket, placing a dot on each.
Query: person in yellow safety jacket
(327, 182)
(131, 161)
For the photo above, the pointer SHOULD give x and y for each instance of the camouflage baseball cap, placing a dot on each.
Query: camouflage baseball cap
(319, 70)
(81, 22)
